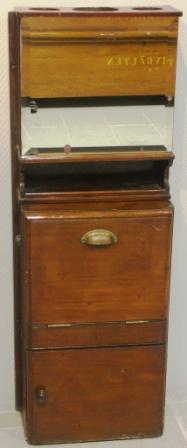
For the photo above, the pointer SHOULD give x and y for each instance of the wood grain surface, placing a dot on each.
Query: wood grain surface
(67, 281)
(95, 394)
(75, 56)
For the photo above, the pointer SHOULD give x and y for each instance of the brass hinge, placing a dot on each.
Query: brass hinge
(135, 322)
(18, 240)
(59, 325)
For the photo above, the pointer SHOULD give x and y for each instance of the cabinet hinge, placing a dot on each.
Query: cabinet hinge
(18, 240)
(135, 322)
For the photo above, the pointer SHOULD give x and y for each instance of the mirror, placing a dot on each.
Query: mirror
(52, 124)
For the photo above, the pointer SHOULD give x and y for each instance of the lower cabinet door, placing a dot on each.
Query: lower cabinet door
(94, 394)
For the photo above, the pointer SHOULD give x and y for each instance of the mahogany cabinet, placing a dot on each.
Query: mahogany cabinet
(92, 98)
(88, 393)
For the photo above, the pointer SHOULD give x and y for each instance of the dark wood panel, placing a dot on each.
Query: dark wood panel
(68, 281)
(15, 117)
(104, 334)
(95, 394)
(71, 208)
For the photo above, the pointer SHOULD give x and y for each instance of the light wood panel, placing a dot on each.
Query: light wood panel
(98, 55)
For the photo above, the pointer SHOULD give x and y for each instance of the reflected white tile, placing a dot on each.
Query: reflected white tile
(82, 116)
(137, 135)
(160, 115)
(26, 140)
(95, 126)
(50, 137)
(43, 129)
(166, 135)
(44, 117)
(98, 135)
(120, 115)
(163, 130)
(88, 127)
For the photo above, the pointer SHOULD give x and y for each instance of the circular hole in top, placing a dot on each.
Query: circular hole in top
(99, 8)
(44, 9)
(145, 8)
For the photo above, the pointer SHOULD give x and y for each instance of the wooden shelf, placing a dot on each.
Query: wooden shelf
(104, 156)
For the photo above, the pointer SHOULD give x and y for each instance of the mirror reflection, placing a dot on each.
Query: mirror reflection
(52, 125)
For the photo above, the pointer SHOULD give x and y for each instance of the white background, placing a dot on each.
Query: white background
(177, 353)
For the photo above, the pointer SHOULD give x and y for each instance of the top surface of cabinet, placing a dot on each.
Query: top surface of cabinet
(98, 10)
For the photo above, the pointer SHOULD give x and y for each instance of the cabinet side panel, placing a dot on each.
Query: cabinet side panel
(14, 45)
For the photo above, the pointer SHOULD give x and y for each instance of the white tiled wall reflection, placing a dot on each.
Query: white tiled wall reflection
(97, 126)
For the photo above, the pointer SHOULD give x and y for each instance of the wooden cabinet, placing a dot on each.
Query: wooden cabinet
(84, 390)
(92, 221)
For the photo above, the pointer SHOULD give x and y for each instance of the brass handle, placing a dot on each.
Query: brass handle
(99, 237)
(41, 395)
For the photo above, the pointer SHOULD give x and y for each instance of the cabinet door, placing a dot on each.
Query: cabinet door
(95, 394)
(70, 281)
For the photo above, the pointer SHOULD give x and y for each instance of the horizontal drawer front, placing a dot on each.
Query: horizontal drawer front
(85, 335)
(68, 281)
(63, 57)
(76, 394)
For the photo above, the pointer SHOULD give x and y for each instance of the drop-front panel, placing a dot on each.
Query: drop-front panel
(82, 55)
(75, 281)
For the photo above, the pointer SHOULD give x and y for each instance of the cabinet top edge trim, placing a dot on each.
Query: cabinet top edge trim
(99, 11)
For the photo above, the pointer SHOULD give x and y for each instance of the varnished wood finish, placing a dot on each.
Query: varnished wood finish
(95, 335)
(89, 394)
(128, 57)
(93, 11)
(128, 180)
(80, 283)
(14, 46)
(141, 208)
(96, 197)
(91, 322)
(96, 156)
